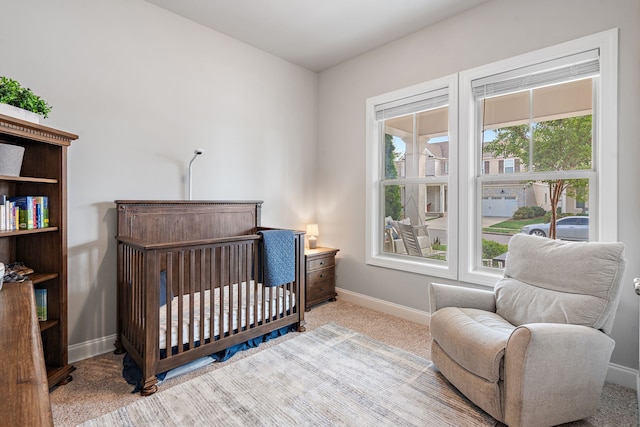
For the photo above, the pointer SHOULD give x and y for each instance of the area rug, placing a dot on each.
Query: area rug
(330, 376)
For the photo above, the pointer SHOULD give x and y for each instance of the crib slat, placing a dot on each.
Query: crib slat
(230, 293)
(238, 298)
(191, 290)
(180, 334)
(168, 297)
(202, 316)
(246, 279)
(221, 307)
(212, 294)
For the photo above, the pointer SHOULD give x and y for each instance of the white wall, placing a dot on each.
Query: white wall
(143, 88)
(493, 31)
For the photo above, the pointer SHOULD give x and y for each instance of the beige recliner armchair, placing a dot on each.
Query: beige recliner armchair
(535, 350)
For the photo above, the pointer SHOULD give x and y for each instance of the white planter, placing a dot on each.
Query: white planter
(19, 113)
(11, 159)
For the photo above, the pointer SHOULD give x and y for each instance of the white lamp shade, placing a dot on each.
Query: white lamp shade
(312, 230)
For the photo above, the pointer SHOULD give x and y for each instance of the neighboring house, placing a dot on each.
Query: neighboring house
(434, 161)
(500, 199)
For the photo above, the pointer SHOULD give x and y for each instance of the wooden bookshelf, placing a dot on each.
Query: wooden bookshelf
(23, 380)
(43, 173)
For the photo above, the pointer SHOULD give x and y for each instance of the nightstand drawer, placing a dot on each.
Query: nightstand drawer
(321, 263)
(320, 275)
(320, 291)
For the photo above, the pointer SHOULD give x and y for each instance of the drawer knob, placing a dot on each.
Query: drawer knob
(321, 262)
(322, 275)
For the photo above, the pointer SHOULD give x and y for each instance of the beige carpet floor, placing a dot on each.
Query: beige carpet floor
(98, 386)
(329, 376)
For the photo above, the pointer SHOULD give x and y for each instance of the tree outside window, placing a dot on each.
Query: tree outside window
(554, 145)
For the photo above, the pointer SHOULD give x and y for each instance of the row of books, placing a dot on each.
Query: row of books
(23, 212)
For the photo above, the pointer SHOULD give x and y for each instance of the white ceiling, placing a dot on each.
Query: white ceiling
(316, 34)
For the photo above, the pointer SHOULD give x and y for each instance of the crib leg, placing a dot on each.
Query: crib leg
(149, 387)
(119, 349)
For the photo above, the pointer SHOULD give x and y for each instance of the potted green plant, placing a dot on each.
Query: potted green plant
(19, 102)
(15, 97)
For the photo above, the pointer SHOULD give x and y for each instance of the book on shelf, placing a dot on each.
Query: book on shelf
(8, 214)
(41, 303)
(3, 221)
(42, 211)
(23, 212)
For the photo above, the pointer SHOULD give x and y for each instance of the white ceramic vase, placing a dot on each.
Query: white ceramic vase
(19, 113)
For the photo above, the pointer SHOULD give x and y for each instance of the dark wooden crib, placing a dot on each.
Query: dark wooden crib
(201, 257)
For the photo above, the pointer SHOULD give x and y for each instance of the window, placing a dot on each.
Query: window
(411, 157)
(549, 116)
(509, 166)
(535, 131)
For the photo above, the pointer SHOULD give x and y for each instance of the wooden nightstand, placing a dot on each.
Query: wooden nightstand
(321, 275)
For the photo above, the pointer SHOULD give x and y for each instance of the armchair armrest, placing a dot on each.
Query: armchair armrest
(441, 295)
(556, 366)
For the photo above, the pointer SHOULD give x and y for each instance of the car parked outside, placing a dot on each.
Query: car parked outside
(567, 228)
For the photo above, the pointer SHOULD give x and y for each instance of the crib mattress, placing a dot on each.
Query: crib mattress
(274, 298)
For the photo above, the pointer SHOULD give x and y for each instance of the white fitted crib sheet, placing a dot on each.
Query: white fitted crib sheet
(271, 305)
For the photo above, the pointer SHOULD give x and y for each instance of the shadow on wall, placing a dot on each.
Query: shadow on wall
(92, 282)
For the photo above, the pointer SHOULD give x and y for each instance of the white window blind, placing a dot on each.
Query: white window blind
(560, 70)
(413, 104)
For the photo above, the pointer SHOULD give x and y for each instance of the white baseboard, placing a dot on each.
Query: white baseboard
(638, 395)
(623, 376)
(91, 348)
(411, 314)
(616, 374)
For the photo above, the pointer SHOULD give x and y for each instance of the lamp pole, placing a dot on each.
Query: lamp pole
(196, 153)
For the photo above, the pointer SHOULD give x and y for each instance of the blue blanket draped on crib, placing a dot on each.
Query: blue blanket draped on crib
(278, 257)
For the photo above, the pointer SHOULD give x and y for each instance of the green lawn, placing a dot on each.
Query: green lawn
(512, 226)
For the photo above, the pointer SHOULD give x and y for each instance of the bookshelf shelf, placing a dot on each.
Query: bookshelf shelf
(42, 277)
(47, 324)
(28, 179)
(32, 231)
(43, 173)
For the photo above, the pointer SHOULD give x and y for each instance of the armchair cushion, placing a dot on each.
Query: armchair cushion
(588, 293)
(459, 329)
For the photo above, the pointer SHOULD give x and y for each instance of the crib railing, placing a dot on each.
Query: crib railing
(213, 284)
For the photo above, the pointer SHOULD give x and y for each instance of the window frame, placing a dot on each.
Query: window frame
(603, 223)
(375, 254)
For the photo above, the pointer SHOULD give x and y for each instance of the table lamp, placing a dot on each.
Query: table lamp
(312, 232)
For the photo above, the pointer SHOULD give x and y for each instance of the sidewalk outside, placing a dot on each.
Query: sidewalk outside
(438, 227)
(440, 223)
